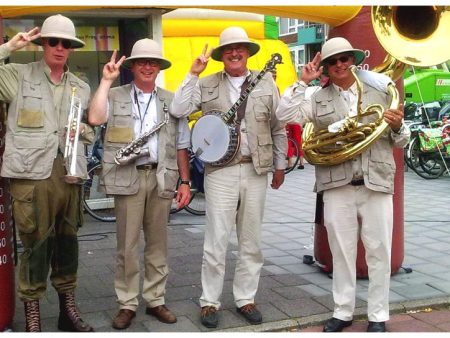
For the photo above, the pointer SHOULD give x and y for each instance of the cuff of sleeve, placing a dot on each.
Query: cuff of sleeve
(4, 52)
(400, 131)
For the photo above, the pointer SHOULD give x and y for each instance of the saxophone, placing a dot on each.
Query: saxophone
(133, 150)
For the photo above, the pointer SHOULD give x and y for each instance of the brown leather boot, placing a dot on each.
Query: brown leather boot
(32, 316)
(69, 317)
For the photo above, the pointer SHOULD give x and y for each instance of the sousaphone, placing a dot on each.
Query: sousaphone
(411, 35)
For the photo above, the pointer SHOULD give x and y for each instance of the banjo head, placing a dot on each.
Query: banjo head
(210, 138)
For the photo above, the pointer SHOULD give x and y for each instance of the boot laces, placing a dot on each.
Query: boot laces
(33, 318)
(70, 306)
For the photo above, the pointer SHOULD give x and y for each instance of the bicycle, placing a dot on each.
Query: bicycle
(97, 204)
(296, 151)
(427, 164)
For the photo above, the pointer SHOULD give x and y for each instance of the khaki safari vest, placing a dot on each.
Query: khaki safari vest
(123, 179)
(215, 97)
(378, 164)
(36, 128)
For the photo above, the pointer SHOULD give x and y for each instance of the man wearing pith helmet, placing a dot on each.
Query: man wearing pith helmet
(235, 192)
(46, 208)
(357, 193)
(143, 183)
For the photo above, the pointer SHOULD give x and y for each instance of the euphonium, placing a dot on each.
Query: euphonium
(411, 35)
(72, 136)
(354, 137)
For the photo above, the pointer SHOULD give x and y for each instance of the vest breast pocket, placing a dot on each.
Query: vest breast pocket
(30, 112)
(325, 114)
(120, 127)
(122, 114)
(210, 93)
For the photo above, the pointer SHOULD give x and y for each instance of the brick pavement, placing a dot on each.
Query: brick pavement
(290, 292)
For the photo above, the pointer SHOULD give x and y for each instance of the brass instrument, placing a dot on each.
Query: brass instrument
(134, 150)
(411, 35)
(72, 137)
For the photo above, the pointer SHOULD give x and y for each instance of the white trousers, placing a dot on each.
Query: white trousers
(224, 188)
(350, 211)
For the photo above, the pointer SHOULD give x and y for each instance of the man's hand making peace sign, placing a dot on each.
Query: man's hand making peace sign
(112, 69)
(200, 63)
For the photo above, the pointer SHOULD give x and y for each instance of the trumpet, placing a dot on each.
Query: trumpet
(72, 136)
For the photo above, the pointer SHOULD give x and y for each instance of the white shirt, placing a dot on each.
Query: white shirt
(235, 85)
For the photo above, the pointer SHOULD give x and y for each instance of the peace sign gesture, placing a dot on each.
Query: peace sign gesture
(200, 63)
(22, 39)
(312, 70)
(112, 69)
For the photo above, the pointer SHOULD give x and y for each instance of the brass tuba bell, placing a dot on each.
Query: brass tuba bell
(411, 35)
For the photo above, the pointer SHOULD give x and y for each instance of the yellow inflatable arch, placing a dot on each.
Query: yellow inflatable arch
(186, 31)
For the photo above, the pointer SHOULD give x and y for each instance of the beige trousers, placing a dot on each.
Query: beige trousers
(144, 209)
(224, 189)
(343, 207)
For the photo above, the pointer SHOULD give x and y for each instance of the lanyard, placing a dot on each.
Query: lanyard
(141, 117)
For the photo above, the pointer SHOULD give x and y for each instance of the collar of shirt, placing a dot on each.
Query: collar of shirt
(349, 96)
(47, 72)
(140, 92)
(247, 76)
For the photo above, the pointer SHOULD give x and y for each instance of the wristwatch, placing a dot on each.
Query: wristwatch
(185, 182)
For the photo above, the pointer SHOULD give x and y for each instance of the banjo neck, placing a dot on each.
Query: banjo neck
(270, 65)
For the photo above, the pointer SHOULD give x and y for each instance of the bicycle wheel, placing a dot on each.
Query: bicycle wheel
(426, 165)
(197, 205)
(296, 153)
(97, 204)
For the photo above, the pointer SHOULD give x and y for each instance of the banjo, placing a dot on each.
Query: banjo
(215, 138)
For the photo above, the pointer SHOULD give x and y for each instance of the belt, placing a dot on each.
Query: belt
(245, 159)
(357, 182)
(148, 166)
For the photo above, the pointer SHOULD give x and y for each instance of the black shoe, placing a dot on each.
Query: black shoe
(301, 166)
(209, 317)
(336, 325)
(376, 327)
(251, 313)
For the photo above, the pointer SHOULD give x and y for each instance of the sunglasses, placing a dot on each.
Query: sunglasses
(53, 42)
(143, 62)
(343, 59)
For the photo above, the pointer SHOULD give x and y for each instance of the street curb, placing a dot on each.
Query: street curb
(313, 320)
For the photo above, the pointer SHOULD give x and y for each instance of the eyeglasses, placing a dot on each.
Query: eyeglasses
(53, 42)
(150, 62)
(238, 49)
(343, 59)
(333, 61)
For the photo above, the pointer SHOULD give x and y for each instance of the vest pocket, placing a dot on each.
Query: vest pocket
(30, 155)
(169, 183)
(30, 114)
(210, 93)
(265, 150)
(23, 208)
(116, 175)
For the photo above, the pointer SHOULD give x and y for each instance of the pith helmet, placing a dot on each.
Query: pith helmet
(340, 45)
(147, 49)
(232, 35)
(59, 26)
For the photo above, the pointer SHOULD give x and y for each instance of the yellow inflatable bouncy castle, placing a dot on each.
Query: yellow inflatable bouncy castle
(186, 31)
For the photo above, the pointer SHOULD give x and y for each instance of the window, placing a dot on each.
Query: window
(289, 26)
(297, 56)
